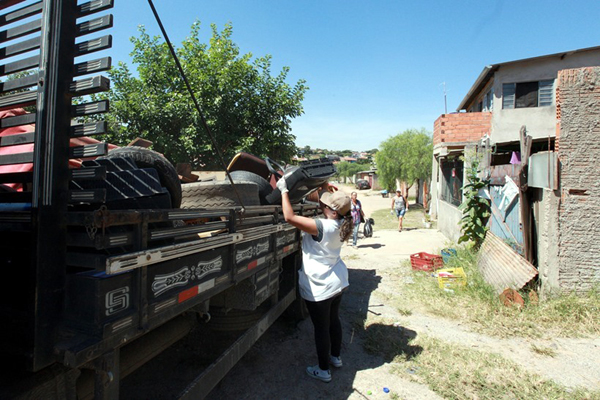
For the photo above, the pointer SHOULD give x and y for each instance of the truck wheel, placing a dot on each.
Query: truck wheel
(297, 311)
(264, 187)
(218, 194)
(146, 158)
(233, 320)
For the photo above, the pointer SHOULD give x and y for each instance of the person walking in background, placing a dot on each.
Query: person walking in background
(399, 206)
(323, 275)
(358, 216)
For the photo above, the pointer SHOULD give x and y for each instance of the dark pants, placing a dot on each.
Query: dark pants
(325, 316)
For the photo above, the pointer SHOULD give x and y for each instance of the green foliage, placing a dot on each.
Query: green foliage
(406, 156)
(475, 209)
(17, 76)
(246, 108)
(348, 170)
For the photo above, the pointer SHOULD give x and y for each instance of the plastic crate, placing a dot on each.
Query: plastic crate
(450, 278)
(426, 262)
(447, 253)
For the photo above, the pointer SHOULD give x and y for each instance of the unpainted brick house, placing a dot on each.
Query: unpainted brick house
(556, 98)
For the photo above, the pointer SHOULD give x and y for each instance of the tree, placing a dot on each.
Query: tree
(246, 108)
(406, 156)
(347, 170)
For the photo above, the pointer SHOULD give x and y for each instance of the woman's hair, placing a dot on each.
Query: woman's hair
(347, 227)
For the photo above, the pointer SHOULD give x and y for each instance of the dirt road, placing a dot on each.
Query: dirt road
(274, 367)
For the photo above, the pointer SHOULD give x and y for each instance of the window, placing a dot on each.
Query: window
(527, 94)
(452, 182)
(488, 101)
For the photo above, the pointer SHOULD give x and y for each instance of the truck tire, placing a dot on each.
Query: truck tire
(146, 158)
(264, 187)
(233, 320)
(218, 194)
(297, 311)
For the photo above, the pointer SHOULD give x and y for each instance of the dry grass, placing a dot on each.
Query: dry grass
(412, 220)
(478, 305)
(457, 372)
(543, 350)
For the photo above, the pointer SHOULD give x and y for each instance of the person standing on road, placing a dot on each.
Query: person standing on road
(323, 275)
(357, 216)
(399, 206)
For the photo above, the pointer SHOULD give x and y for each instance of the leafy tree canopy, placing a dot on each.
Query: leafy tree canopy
(246, 108)
(347, 170)
(406, 156)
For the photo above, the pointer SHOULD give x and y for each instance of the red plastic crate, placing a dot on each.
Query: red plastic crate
(426, 262)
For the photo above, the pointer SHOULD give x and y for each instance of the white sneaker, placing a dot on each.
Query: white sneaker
(318, 373)
(335, 361)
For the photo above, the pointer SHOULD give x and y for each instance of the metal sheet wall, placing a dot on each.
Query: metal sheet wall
(506, 223)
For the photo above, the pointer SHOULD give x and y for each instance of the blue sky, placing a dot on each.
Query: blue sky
(374, 68)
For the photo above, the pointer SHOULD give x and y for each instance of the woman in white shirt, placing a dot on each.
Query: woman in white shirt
(323, 275)
(399, 206)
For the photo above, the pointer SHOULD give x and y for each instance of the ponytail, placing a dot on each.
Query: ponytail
(347, 227)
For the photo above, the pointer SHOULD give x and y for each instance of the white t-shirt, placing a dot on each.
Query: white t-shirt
(323, 273)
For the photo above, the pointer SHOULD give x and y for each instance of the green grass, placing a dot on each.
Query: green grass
(478, 305)
(412, 219)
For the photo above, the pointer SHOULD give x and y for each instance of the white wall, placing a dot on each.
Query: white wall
(449, 220)
(435, 188)
(540, 121)
(545, 210)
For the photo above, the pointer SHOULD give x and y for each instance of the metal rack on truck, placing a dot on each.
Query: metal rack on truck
(92, 253)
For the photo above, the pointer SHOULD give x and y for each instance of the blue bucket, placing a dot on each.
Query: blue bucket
(447, 253)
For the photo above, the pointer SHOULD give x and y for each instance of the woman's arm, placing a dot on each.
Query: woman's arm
(305, 224)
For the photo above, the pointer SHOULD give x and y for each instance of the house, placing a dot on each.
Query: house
(548, 97)
(370, 176)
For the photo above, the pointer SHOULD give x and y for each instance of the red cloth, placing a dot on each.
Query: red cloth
(28, 148)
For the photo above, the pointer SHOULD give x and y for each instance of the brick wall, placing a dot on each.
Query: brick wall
(579, 152)
(461, 127)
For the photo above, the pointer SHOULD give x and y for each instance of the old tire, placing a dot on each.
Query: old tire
(264, 187)
(218, 194)
(233, 320)
(146, 158)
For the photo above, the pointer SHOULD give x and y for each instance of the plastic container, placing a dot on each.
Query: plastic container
(447, 253)
(426, 262)
(451, 278)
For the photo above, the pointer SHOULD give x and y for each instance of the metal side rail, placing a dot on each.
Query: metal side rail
(210, 377)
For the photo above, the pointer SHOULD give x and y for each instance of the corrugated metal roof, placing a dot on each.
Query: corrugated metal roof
(502, 267)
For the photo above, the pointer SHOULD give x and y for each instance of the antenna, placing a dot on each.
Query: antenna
(445, 102)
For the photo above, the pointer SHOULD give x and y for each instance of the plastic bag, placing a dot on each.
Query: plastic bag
(368, 228)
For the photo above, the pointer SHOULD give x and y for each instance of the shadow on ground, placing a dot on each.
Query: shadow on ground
(372, 246)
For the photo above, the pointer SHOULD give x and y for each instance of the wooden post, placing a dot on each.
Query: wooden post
(525, 142)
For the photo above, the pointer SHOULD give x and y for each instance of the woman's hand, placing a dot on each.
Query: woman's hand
(282, 185)
(328, 187)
